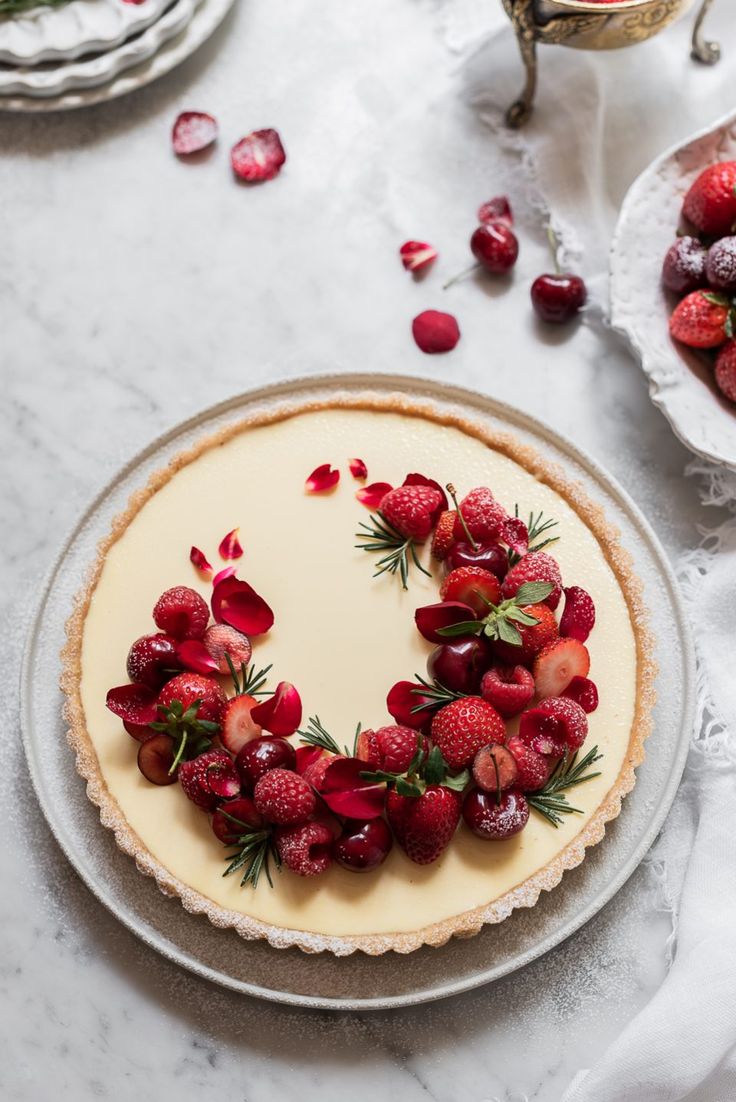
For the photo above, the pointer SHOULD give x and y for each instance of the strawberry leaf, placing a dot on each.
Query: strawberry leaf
(533, 593)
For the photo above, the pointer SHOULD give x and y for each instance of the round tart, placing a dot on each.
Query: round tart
(343, 637)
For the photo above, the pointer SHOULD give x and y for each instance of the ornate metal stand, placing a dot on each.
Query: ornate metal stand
(703, 50)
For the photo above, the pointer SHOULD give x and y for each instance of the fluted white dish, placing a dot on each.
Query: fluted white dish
(73, 29)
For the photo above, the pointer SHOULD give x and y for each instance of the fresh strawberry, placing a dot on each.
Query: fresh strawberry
(495, 769)
(391, 749)
(234, 818)
(557, 664)
(186, 688)
(473, 586)
(533, 768)
(578, 619)
(424, 825)
(463, 726)
(444, 534)
(411, 510)
(710, 204)
(534, 638)
(181, 612)
(484, 517)
(726, 371)
(237, 727)
(306, 848)
(222, 640)
(508, 688)
(284, 797)
(584, 692)
(152, 660)
(536, 566)
(209, 778)
(703, 320)
(554, 726)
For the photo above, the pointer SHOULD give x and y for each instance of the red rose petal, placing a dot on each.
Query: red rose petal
(321, 479)
(416, 256)
(401, 701)
(258, 157)
(193, 131)
(496, 210)
(358, 468)
(193, 655)
(281, 714)
(306, 756)
(417, 479)
(347, 793)
(372, 496)
(198, 559)
(230, 547)
(435, 332)
(516, 534)
(226, 572)
(236, 603)
(133, 703)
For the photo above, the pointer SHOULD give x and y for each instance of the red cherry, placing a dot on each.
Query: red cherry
(491, 557)
(683, 270)
(244, 811)
(262, 754)
(152, 660)
(495, 768)
(721, 265)
(494, 245)
(558, 297)
(459, 665)
(363, 846)
(138, 731)
(494, 820)
(431, 618)
(155, 758)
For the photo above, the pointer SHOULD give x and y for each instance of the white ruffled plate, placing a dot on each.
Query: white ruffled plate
(680, 382)
(76, 28)
(55, 80)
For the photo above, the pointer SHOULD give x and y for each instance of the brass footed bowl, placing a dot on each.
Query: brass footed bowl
(586, 25)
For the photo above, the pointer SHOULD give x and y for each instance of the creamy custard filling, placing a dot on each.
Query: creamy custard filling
(343, 638)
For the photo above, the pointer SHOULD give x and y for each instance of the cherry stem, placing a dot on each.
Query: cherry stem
(453, 494)
(180, 752)
(461, 275)
(554, 246)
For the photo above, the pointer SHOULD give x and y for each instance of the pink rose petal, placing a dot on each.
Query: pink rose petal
(198, 559)
(281, 714)
(133, 703)
(230, 547)
(193, 655)
(306, 756)
(347, 793)
(321, 479)
(226, 572)
(416, 256)
(372, 496)
(193, 130)
(258, 157)
(516, 534)
(435, 331)
(358, 468)
(236, 603)
(401, 701)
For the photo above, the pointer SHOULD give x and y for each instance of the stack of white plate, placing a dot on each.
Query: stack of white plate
(85, 51)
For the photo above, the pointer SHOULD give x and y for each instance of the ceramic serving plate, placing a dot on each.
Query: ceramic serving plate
(70, 30)
(356, 981)
(680, 381)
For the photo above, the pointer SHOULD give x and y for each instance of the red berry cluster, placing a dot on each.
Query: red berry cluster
(700, 267)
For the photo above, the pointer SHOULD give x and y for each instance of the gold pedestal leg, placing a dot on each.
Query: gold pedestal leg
(520, 111)
(702, 50)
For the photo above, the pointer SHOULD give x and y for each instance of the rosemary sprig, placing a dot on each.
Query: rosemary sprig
(249, 681)
(435, 692)
(536, 526)
(378, 536)
(422, 770)
(254, 850)
(551, 801)
(316, 735)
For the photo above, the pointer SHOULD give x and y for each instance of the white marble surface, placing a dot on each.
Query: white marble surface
(135, 290)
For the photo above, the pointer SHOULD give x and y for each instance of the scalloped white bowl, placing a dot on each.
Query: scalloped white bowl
(80, 27)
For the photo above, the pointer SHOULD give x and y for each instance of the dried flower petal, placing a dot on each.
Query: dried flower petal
(236, 603)
(226, 572)
(199, 559)
(416, 256)
(417, 479)
(258, 157)
(516, 534)
(372, 496)
(281, 714)
(347, 793)
(358, 468)
(435, 331)
(496, 210)
(193, 655)
(193, 130)
(321, 479)
(230, 545)
(133, 703)
(306, 756)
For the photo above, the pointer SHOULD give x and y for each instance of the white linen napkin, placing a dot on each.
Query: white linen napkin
(600, 119)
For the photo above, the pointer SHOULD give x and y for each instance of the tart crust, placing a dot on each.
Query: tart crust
(469, 922)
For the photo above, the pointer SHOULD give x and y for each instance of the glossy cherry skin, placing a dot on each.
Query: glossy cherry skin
(495, 247)
(262, 754)
(558, 298)
(490, 556)
(152, 660)
(494, 820)
(242, 809)
(460, 664)
(363, 846)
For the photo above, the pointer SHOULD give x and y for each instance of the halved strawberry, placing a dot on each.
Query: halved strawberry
(495, 769)
(558, 663)
(237, 726)
(473, 586)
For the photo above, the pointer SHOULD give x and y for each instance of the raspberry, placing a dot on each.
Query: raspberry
(533, 768)
(536, 566)
(484, 516)
(209, 779)
(181, 612)
(306, 848)
(508, 688)
(284, 797)
(578, 619)
(411, 510)
(555, 725)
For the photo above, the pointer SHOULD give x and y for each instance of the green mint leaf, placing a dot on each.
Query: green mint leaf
(531, 593)
(465, 627)
(521, 617)
(458, 783)
(508, 633)
(405, 787)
